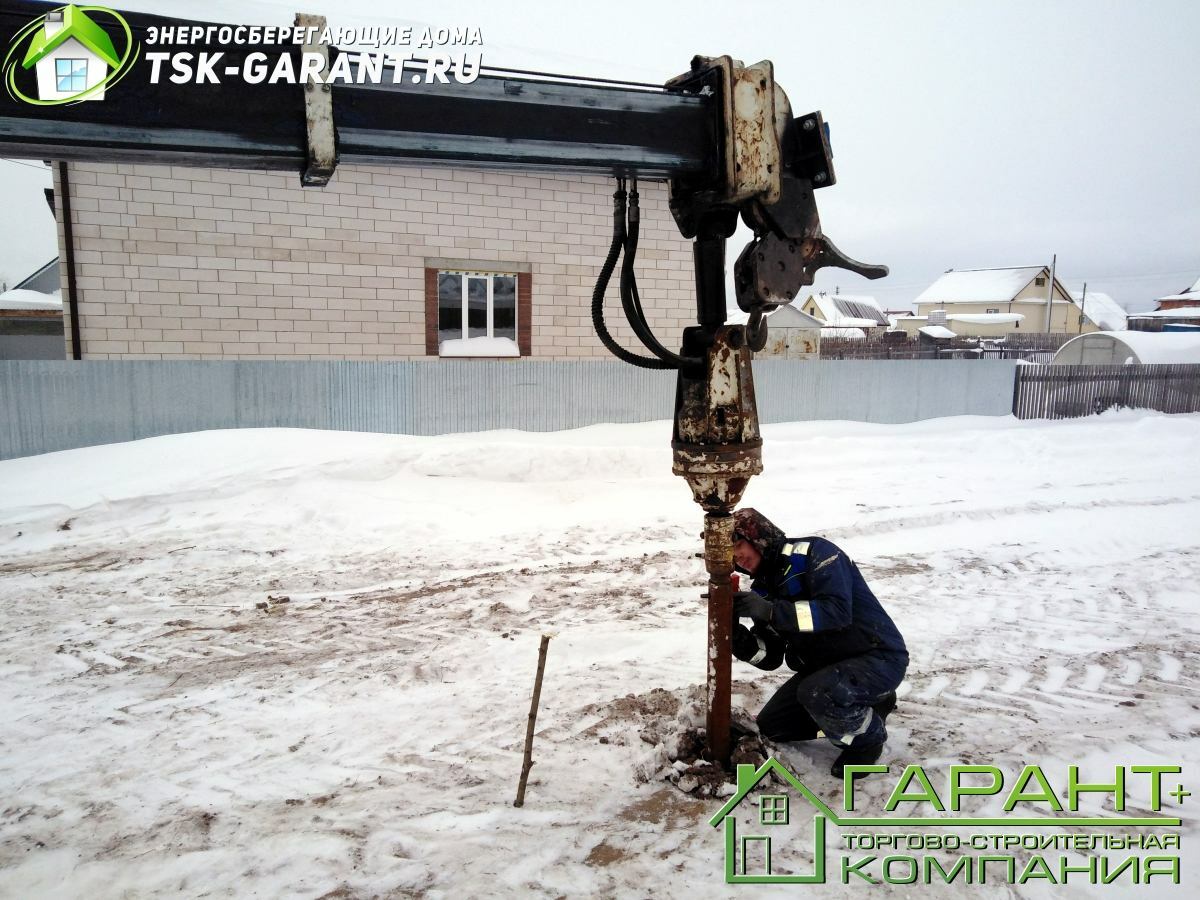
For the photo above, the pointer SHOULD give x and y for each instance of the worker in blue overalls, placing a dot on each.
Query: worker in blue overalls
(812, 608)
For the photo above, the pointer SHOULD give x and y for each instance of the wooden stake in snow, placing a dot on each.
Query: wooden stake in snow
(533, 708)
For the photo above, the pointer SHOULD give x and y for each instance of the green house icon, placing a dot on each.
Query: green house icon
(773, 809)
(72, 54)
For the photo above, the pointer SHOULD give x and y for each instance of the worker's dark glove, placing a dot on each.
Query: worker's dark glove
(750, 604)
(745, 645)
(760, 647)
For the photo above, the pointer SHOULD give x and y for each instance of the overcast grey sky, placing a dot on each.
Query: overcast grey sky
(965, 134)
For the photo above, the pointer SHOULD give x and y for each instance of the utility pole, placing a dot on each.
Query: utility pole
(1082, 306)
(1050, 294)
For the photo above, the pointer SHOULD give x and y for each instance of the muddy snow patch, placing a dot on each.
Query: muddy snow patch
(671, 726)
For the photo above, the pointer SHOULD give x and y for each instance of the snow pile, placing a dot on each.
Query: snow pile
(479, 346)
(291, 663)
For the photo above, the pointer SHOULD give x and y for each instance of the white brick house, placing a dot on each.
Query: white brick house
(189, 263)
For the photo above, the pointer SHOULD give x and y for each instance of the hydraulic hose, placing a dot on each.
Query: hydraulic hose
(630, 300)
(606, 270)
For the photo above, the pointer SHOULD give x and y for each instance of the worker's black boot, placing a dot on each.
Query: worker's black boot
(856, 756)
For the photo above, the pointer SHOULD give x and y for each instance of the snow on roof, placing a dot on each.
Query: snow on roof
(19, 298)
(1101, 309)
(980, 285)
(1182, 312)
(849, 310)
(986, 318)
(787, 316)
(1191, 293)
(937, 331)
(848, 334)
(1149, 347)
(1186, 295)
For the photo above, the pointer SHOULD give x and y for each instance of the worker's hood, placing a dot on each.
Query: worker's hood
(755, 528)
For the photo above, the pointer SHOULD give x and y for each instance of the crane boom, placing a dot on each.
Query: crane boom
(497, 121)
(722, 133)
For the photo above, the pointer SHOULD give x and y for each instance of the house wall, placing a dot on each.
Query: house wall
(974, 329)
(188, 263)
(30, 346)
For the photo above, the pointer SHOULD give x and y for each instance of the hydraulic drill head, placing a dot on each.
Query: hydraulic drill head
(716, 443)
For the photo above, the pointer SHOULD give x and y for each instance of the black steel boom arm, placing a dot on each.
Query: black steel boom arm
(497, 121)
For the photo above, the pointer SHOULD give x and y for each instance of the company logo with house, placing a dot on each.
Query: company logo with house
(73, 55)
(951, 855)
(773, 809)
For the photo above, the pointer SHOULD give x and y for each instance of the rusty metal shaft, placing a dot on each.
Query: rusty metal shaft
(718, 560)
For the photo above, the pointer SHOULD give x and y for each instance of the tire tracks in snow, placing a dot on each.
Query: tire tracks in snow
(935, 519)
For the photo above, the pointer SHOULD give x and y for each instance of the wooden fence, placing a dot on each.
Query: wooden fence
(1060, 392)
(896, 345)
(1038, 340)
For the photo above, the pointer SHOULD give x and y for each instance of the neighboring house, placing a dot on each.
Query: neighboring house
(45, 280)
(791, 334)
(72, 54)
(842, 311)
(1177, 318)
(382, 263)
(31, 325)
(995, 302)
(1186, 298)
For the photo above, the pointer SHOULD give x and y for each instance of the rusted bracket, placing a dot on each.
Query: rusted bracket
(749, 159)
(789, 246)
(318, 113)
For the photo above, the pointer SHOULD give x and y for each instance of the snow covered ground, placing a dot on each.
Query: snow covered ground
(172, 726)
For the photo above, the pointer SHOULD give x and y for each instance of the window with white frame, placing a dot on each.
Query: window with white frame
(70, 75)
(477, 313)
(995, 310)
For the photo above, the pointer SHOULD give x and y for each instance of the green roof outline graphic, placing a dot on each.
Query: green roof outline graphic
(748, 777)
(78, 26)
